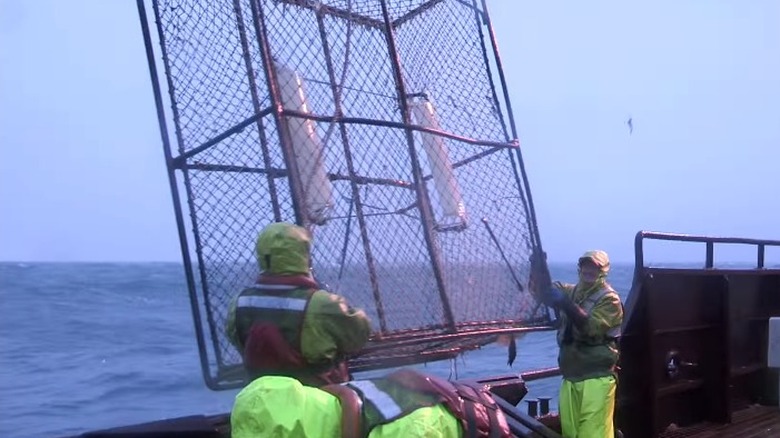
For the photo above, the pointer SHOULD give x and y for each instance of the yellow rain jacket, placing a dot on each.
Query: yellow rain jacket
(280, 407)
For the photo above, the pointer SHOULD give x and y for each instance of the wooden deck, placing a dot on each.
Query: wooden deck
(752, 422)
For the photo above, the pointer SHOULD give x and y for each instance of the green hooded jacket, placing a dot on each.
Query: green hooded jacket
(319, 325)
(328, 329)
(591, 351)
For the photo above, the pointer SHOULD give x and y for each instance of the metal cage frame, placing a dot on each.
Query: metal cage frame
(268, 113)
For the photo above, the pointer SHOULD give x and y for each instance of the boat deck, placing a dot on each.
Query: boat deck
(752, 422)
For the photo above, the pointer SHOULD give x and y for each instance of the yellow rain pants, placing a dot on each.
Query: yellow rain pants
(280, 407)
(587, 408)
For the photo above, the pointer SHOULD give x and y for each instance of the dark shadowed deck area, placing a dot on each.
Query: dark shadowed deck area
(752, 422)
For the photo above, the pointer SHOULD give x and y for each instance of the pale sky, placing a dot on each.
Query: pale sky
(82, 176)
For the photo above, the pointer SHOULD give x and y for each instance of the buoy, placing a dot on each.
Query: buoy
(307, 147)
(450, 199)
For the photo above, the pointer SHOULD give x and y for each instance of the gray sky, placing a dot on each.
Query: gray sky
(82, 175)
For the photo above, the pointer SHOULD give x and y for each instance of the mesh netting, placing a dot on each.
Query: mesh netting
(387, 142)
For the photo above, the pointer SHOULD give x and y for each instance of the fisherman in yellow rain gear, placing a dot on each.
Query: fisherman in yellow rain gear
(294, 337)
(591, 317)
(285, 324)
(405, 403)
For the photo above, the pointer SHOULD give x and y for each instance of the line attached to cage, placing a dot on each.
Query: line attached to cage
(503, 255)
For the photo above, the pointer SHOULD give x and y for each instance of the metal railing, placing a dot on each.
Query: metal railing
(709, 242)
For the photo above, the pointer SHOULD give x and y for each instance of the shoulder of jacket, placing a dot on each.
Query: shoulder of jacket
(610, 290)
(598, 295)
(323, 298)
(608, 293)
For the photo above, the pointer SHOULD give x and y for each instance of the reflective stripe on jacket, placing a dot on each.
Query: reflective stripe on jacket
(282, 305)
(309, 330)
(268, 327)
(281, 407)
(392, 398)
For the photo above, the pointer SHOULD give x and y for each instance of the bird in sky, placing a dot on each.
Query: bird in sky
(630, 123)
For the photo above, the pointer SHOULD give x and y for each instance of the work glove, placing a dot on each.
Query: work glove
(553, 297)
(557, 299)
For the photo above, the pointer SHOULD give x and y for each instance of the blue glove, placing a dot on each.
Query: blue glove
(554, 297)
(558, 299)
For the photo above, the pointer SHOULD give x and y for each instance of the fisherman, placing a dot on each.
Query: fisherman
(405, 403)
(285, 324)
(591, 316)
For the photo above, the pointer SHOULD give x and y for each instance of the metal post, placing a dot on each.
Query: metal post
(479, 20)
(420, 188)
(356, 200)
(533, 407)
(639, 256)
(494, 43)
(250, 76)
(544, 405)
(185, 252)
(261, 33)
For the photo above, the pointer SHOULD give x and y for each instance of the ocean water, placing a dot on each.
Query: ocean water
(86, 346)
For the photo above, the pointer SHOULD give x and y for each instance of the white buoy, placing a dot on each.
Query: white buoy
(450, 199)
(307, 147)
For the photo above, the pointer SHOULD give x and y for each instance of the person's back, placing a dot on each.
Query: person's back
(284, 324)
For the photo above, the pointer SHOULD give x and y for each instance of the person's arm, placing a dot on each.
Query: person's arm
(568, 288)
(560, 297)
(333, 327)
(231, 330)
(349, 327)
(605, 315)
